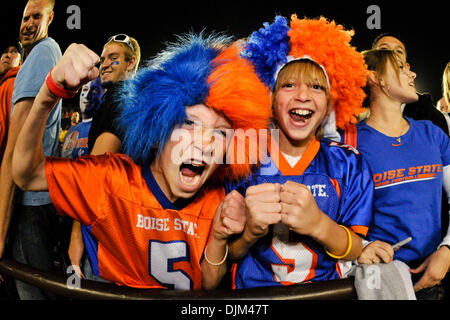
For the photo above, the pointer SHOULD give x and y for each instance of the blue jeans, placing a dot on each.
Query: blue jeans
(33, 239)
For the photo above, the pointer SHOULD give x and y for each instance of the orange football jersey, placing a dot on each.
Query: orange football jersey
(144, 240)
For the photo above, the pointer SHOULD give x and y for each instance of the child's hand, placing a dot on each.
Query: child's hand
(263, 208)
(376, 252)
(229, 218)
(76, 67)
(299, 209)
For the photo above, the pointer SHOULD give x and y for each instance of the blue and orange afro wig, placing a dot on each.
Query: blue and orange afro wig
(196, 69)
(320, 40)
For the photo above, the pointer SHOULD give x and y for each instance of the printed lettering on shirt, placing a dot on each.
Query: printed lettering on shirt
(406, 175)
(318, 190)
(165, 224)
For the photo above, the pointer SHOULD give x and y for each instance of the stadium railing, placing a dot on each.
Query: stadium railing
(92, 290)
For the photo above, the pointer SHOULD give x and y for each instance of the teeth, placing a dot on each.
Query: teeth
(301, 112)
(189, 181)
(196, 163)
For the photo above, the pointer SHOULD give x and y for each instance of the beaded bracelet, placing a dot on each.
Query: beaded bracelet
(349, 248)
(57, 90)
(218, 263)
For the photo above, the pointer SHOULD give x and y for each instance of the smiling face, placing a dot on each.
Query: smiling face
(36, 19)
(398, 81)
(300, 103)
(192, 154)
(113, 64)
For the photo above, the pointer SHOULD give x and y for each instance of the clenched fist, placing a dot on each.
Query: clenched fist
(263, 208)
(299, 209)
(76, 67)
(229, 218)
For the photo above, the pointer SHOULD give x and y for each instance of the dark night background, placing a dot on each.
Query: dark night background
(421, 25)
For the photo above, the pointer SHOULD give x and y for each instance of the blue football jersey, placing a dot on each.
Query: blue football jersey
(341, 183)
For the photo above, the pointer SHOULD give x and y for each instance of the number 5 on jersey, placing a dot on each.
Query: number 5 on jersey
(162, 257)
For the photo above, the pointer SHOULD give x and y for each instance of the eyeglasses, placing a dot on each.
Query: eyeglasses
(123, 38)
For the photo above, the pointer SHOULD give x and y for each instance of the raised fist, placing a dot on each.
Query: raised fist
(76, 67)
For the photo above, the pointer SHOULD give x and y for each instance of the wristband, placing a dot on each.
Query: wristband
(349, 248)
(57, 90)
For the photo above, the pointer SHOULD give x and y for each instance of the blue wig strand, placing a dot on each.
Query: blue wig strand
(153, 103)
(268, 47)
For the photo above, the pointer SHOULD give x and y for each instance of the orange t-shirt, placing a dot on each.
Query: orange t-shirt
(6, 91)
(144, 241)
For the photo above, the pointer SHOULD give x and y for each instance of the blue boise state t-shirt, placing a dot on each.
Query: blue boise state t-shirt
(42, 58)
(408, 176)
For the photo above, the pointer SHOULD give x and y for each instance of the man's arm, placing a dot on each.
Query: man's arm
(7, 185)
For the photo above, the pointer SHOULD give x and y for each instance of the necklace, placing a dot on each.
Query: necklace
(398, 138)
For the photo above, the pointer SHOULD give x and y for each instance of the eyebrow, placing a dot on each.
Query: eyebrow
(397, 46)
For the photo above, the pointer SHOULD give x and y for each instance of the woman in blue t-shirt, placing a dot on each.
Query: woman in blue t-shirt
(410, 164)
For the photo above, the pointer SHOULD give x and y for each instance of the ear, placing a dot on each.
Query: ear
(131, 64)
(330, 106)
(50, 17)
(375, 80)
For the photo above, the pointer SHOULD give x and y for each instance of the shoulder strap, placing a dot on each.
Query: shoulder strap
(350, 137)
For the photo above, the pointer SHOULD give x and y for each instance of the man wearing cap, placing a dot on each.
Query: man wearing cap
(10, 62)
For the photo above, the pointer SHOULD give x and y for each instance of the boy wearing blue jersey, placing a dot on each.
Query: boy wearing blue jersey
(309, 205)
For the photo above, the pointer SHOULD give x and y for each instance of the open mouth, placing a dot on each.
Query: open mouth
(301, 115)
(191, 172)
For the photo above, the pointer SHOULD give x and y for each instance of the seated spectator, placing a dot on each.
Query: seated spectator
(310, 204)
(156, 212)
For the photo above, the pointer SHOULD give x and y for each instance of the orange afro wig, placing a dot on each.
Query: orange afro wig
(320, 40)
(328, 44)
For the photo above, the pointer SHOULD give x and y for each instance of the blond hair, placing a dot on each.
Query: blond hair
(305, 71)
(129, 54)
(446, 84)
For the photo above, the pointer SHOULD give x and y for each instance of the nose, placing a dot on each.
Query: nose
(302, 92)
(104, 64)
(206, 144)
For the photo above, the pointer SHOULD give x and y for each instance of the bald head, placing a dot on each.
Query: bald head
(37, 16)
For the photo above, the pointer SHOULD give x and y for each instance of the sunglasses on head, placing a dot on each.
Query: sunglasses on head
(123, 38)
